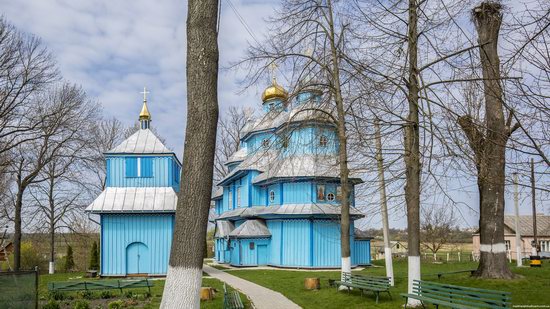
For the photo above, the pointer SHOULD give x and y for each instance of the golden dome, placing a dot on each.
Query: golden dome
(144, 114)
(274, 91)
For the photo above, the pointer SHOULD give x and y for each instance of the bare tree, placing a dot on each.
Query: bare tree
(58, 135)
(489, 145)
(230, 129)
(184, 276)
(437, 226)
(26, 67)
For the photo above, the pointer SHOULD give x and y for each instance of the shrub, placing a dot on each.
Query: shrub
(86, 294)
(81, 304)
(30, 257)
(117, 304)
(52, 304)
(129, 294)
(106, 294)
(69, 260)
(56, 295)
(94, 257)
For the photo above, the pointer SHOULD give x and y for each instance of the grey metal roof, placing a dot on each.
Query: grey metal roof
(223, 228)
(217, 193)
(303, 166)
(526, 225)
(238, 156)
(141, 142)
(274, 119)
(288, 209)
(124, 200)
(251, 229)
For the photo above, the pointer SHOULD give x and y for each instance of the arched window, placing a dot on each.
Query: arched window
(331, 197)
(265, 143)
(271, 196)
(323, 141)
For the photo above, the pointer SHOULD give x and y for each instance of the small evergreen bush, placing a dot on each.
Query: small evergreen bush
(94, 257)
(69, 260)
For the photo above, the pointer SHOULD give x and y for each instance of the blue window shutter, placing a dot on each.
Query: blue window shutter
(146, 167)
(131, 167)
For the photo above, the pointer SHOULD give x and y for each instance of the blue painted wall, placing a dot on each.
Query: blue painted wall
(165, 171)
(361, 252)
(243, 255)
(123, 236)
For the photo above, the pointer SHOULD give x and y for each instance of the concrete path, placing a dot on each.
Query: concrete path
(261, 298)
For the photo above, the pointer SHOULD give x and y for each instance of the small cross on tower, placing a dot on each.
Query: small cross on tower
(145, 92)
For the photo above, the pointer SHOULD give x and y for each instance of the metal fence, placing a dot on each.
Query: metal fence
(19, 289)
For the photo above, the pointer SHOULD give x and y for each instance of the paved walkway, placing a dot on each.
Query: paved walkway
(262, 298)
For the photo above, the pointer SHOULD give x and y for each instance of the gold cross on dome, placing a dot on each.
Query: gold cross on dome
(145, 92)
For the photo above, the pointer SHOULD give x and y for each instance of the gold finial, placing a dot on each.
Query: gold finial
(275, 90)
(144, 114)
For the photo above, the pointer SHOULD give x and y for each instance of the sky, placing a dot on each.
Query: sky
(115, 48)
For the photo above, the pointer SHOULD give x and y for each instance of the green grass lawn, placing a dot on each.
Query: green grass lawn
(156, 291)
(532, 289)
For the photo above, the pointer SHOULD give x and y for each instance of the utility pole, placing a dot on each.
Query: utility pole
(518, 236)
(383, 203)
(534, 250)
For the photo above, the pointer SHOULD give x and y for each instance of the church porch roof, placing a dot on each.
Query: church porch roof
(223, 228)
(135, 200)
(251, 229)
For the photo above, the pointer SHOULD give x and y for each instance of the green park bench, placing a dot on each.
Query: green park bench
(365, 283)
(454, 296)
(471, 271)
(100, 285)
(231, 300)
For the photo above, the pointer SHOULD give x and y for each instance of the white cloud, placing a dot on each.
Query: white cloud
(114, 48)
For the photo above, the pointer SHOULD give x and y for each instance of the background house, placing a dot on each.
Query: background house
(526, 232)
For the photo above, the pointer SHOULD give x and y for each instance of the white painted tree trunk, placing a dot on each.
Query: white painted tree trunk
(346, 268)
(51, 267)
(187, 297)
(414, 274)
(389, 264)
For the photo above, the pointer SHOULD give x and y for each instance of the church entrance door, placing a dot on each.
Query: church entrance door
(137, 259)
(263, 255)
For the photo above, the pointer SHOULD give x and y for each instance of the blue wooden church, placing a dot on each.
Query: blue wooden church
(280, 203)
(138, 205)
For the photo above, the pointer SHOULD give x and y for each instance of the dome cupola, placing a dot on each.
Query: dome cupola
(275, 91)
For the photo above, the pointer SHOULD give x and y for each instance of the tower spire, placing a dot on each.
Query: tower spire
(144, 115)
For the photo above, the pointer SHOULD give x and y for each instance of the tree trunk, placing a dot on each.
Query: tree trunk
(383, 203)
(17, 231)
(51, 269)
(412, 155)
(491, 153)
(342, 151)
(183, 280)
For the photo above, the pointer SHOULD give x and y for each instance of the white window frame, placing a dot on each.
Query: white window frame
(139, 167)
(238, 193)
(230, 199)
(272, 196)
